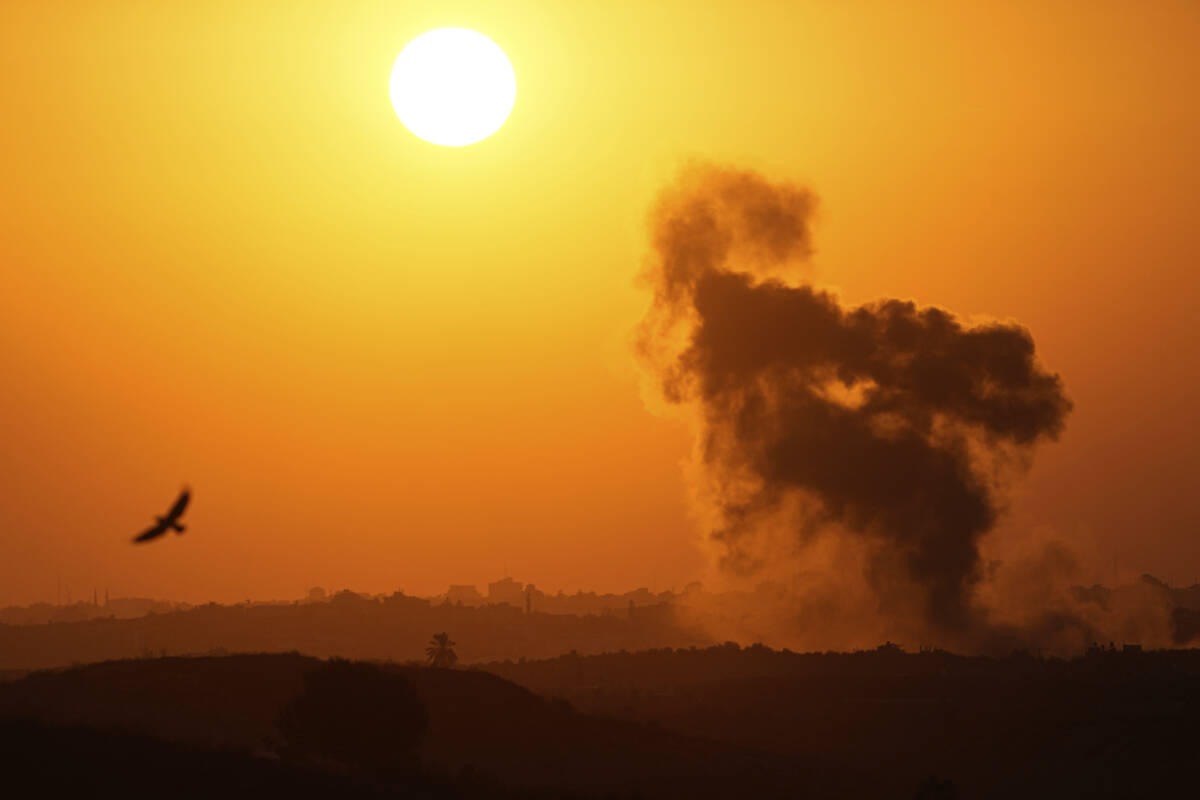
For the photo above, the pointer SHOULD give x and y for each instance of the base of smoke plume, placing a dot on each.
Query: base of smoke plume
(819, 598)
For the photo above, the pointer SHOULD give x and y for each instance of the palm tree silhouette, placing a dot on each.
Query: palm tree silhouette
(441, 651)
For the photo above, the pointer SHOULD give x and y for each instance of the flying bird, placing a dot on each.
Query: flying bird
(169, 521)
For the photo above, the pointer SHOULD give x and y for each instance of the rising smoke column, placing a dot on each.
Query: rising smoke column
(888, 423)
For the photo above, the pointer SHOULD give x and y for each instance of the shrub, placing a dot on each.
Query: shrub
(353, 714)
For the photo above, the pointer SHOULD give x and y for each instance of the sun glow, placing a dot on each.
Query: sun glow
(453, 86)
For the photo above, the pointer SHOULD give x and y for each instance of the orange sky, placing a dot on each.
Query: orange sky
(384, 364)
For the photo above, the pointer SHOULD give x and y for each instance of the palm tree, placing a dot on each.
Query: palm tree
(441, 651)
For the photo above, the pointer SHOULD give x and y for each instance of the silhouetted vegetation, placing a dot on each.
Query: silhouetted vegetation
(440, 651)
(354, 714)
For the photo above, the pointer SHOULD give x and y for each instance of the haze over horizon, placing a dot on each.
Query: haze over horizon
(383, 365)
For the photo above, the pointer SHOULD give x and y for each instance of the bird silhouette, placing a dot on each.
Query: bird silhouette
(169, 521)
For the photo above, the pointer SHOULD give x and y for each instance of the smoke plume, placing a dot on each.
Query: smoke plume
(886, 430)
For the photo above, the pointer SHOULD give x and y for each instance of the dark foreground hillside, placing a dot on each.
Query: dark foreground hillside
(66, 761)
(1109, 724)
(482, 731)
(717, 722)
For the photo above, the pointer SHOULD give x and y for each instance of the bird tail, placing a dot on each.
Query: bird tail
(178, 528)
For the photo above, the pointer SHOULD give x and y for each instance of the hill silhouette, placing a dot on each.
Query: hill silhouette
(478, 724)
(61, 761)
(723, 721)
(349, 626)
(1112, 723)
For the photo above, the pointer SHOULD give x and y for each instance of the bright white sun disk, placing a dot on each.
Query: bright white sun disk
(453, 86)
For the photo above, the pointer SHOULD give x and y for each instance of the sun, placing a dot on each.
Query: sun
(453, 86)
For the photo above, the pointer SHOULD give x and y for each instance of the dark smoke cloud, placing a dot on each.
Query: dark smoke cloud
(889, 423)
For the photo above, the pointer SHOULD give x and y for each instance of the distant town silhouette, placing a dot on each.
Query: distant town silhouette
(510, 620)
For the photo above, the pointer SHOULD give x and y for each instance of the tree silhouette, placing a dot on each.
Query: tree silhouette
(441, 651)
(354, 714)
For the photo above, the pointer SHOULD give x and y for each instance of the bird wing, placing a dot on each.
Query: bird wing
(180, 504)
(151, 533)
